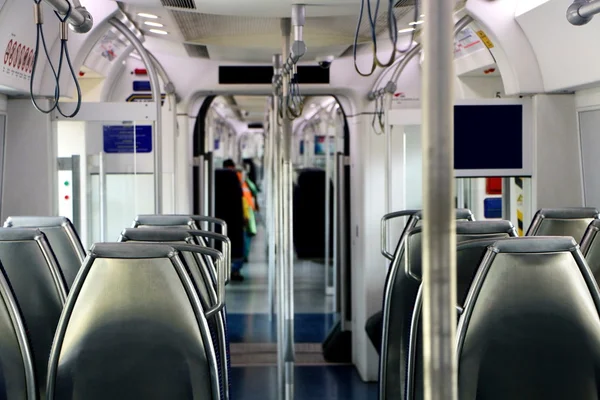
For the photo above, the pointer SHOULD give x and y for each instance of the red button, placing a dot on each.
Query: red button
(67, 197)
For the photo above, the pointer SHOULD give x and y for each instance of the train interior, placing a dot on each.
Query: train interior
(295, 217)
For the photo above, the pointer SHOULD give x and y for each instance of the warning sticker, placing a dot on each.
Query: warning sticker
(18, 59)
(486, 40)
(467, 42)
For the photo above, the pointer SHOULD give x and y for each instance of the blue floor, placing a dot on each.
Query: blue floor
(311, 383)
(256, 328)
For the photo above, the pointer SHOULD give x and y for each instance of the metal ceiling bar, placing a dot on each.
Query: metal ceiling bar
(156, 95)
(581, 11)
(80, 20)
(439, 231)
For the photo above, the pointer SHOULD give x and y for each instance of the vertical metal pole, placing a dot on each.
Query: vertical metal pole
(76, 178)
(328, 286)
(388, 169)
(439, 241)
(287, 231)
(199, 161)
(157, 98)
(506, 199)
(334, 225)
(210, 182)
(103, 206)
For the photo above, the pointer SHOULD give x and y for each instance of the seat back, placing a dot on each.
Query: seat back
(63, 239)
(590, 248)
(309, 214)
(229, 207)
(205, 277)
(153, 221)
(562, 222)
(17, 372)
(133, 328)
(530, 328)
(400, 295)
(469, 255)
(40, 292)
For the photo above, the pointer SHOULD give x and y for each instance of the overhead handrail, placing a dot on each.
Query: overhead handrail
(384, 229)
(580, 12)
(80, 20)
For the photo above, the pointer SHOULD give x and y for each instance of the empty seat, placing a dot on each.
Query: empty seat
(133, 328)
(400, 296)
(469, 256)
(17, 373)
(530, 328)
(40, 292)
(229, 207)
(309, 214)
(562, 222)
(374, 325)
(152, 221)
(590, 248)
(63, 238)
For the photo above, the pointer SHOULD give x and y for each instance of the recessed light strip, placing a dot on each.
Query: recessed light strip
(159, 31)
(155, 24)
(146, 15)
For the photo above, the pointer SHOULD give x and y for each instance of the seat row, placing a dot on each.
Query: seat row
(520, 302)
(140, 318)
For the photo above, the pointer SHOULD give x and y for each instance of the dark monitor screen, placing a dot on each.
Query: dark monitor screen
(488, 137)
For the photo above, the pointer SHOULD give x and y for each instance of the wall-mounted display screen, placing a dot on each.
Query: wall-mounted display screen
(488, 136)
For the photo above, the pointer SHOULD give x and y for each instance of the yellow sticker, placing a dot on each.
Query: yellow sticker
(486, 40)
(520, 200)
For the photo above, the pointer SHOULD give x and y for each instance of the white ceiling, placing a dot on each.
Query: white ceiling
(249, 30)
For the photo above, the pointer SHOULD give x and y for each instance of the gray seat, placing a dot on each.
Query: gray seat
(17, 373)
(374, 325)
(590, 248)
(63, 239)
(40, 292)
(204, 280)
(530, 328)
(469, 255)
(133, 328)
(562, 222)
(192, 222)
(400, 296)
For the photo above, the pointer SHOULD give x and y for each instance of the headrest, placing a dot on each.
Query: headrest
(132, 250)
(568, 213)
(156, 234)
(535, 244)
(163, 220)
(13, 234)
(36, 222)
(483, 227)
(461, 213)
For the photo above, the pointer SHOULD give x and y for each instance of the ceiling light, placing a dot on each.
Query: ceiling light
(156, 24)
(145, 15)
(159, 31)
(406, 30)
(416, 23)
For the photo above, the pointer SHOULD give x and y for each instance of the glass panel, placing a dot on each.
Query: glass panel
(117, 173)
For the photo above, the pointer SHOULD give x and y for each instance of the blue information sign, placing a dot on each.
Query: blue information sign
(120, 139)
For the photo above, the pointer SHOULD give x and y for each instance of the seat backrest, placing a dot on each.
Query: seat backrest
(530, 328)
(153, 221)
(400, 295)
(590, 248)
(39, 289)
(562, 222)
(133, 328)
(229, 207)
(63, 239)
(469, 255)
(17, 372)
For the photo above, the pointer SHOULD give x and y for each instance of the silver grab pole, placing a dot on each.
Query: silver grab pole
(439, 239)
(157, 97)
(287, 232)
(80, 20)
(328, 285)
(103, 206)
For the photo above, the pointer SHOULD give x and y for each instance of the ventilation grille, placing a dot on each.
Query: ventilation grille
(265, 32)
(182, 4)
(196, 50)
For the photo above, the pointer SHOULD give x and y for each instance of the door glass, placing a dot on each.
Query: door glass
(116, 174)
